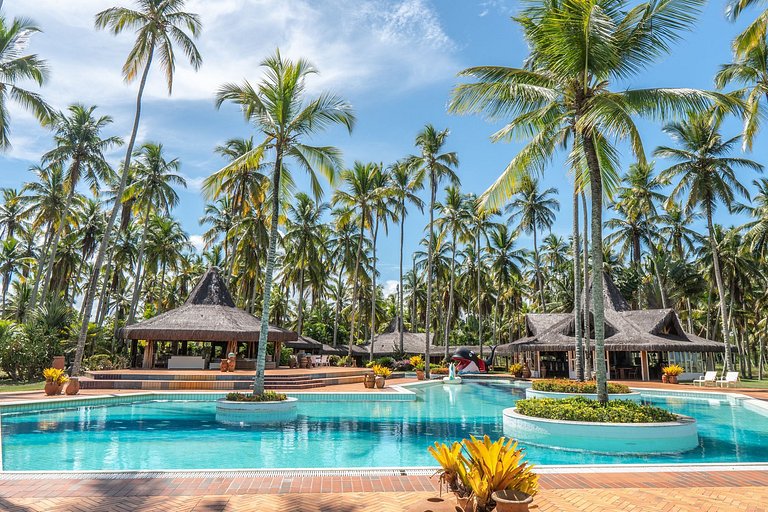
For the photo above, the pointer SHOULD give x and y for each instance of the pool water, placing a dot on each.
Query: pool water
(185, 435)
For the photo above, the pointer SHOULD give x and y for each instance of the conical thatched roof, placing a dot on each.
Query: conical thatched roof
(625, 329)
(209, 314)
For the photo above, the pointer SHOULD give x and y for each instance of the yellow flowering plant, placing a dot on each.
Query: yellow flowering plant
(381, 371)
(417, 362)
(673, 370)
(54, 375)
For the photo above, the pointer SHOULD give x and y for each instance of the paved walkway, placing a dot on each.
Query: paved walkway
(647, 491)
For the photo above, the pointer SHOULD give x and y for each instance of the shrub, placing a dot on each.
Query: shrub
(673, 370)
(267, 396)
(389, 362)
(585, 409)
(439, 370)
(402, 365)
(515, 368)
(26, 349)
(572, 386)
(417, 362)
(381, 371)
(334, 360)
(98, 362)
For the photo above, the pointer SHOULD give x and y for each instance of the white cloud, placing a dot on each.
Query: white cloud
(390, 287)
(194, 183)
(197, 242)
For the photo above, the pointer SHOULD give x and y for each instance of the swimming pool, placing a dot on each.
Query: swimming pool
(340, 434)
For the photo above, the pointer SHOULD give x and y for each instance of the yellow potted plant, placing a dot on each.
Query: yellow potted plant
(671, 372)
(418, 364)
(516, 369)
(54, 380)
(381, 372)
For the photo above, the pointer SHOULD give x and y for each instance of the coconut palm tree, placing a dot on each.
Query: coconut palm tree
(755, 32)
(12, 259)
(404, 183)
(153, 188)
(159, 26)
(480, 224)
(505, 262)
(11, 212)
(564, 96)
(757, 229)
(532, 209)
(707, 174)
(16, 67)
(80, 147)
(436, 166)
(454, 219)
(278, 108)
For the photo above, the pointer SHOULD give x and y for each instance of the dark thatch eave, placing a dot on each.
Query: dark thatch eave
(209, 314)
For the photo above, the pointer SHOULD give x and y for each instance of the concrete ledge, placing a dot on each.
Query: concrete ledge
(612, 438)
(255, 413)
(634, 396)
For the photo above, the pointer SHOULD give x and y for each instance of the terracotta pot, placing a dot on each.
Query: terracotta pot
(223, 365)
(58, 362)
(52, 388)
(369, 380)
(420, 374)
(380, 381)
(664, 378)
(526, 372)
(231, 363)
(673, 379)
(465, 503)
(511, 501)
(519, 374)
(73, 386)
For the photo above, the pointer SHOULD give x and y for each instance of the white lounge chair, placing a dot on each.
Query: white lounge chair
(706, 379)
(730, 378)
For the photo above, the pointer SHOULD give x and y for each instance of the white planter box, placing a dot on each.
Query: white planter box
(532, 393)
(613, 438)
(252, 413)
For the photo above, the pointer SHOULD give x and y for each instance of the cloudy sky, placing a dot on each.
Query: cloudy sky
(394, 60)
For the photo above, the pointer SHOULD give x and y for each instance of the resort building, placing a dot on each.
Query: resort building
(638, 343)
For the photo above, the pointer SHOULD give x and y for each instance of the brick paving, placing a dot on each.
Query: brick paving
(639, 491)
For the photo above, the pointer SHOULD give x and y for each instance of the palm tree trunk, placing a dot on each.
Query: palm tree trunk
(337, 311)
(576, 289)
(720, 289)
(353, 305)
(400, 289)
(585, 299)
(539, 278)
(139, 262)
(414, 312)
(51, 259)
(373, 286)
(300, 320)
(690, 314)
(261, 354)
(450, 295)
(433, 192)
(105, 241)
(654, 253)
(479, 302)
(596, 189)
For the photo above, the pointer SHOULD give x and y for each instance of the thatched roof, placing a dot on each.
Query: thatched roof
(388, 344)
(209, 314)
(304, 343)
(625, 330)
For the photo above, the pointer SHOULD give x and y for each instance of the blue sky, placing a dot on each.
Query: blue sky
(394, 60)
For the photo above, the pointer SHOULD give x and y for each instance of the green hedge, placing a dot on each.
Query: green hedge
(572, 386)
(267, 396)
(585, 409)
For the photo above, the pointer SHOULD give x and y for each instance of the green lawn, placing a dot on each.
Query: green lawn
(753, 383)
(9, 385)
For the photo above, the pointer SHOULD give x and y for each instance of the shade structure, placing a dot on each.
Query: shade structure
(209, 314)
(625, 330)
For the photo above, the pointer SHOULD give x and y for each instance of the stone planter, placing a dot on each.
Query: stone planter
(73, 386)
(380, 381)
(255, 413)
(511, 501)
(672, 379)
(612, 438)
(664, 378)
(532, 393)
(420, 375)
(52, 388)
(369, 380)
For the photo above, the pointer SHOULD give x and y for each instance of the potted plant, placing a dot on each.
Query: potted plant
(369, 380)
(526, 371)
(672, 371)
(418, 364)
(516, 369)
(73, 386)
(381, 372)
(483, 474)
(55, 378)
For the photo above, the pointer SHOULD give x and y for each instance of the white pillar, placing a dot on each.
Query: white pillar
(644, 365)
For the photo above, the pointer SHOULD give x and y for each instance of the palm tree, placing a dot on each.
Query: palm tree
(158, 24)
(708, 175)
(437, 166)
(751, 71)
(357, 203)
(480, 224)
(404, 183)
(12, 259)
(757, 229)
(220, 217)
(80, 145)
(454, 219)
(534, 210)
(166, 244)
(11, 212)
(505, 263)
(277, 107)
(563, 95)
(755, 32)
(152, 187)
(16, 67)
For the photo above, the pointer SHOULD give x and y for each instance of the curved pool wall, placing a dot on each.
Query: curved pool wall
(608, 438)
(251, 413)
(155, 431)
(633, 396)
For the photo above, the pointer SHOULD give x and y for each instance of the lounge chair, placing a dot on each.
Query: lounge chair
(730, 378)
(706, 379)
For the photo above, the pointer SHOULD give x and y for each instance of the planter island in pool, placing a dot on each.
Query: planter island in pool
(255, 413)
(534, 393)
(612, 438)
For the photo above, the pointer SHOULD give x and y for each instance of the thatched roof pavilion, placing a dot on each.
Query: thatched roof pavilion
(626, 330)
(209, 314)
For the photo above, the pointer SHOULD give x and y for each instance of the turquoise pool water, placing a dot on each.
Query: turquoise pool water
(185, 435)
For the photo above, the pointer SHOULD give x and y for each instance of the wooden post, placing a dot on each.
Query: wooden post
(278, 348)
(644, 365)
(149, 355)
(607, 366)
